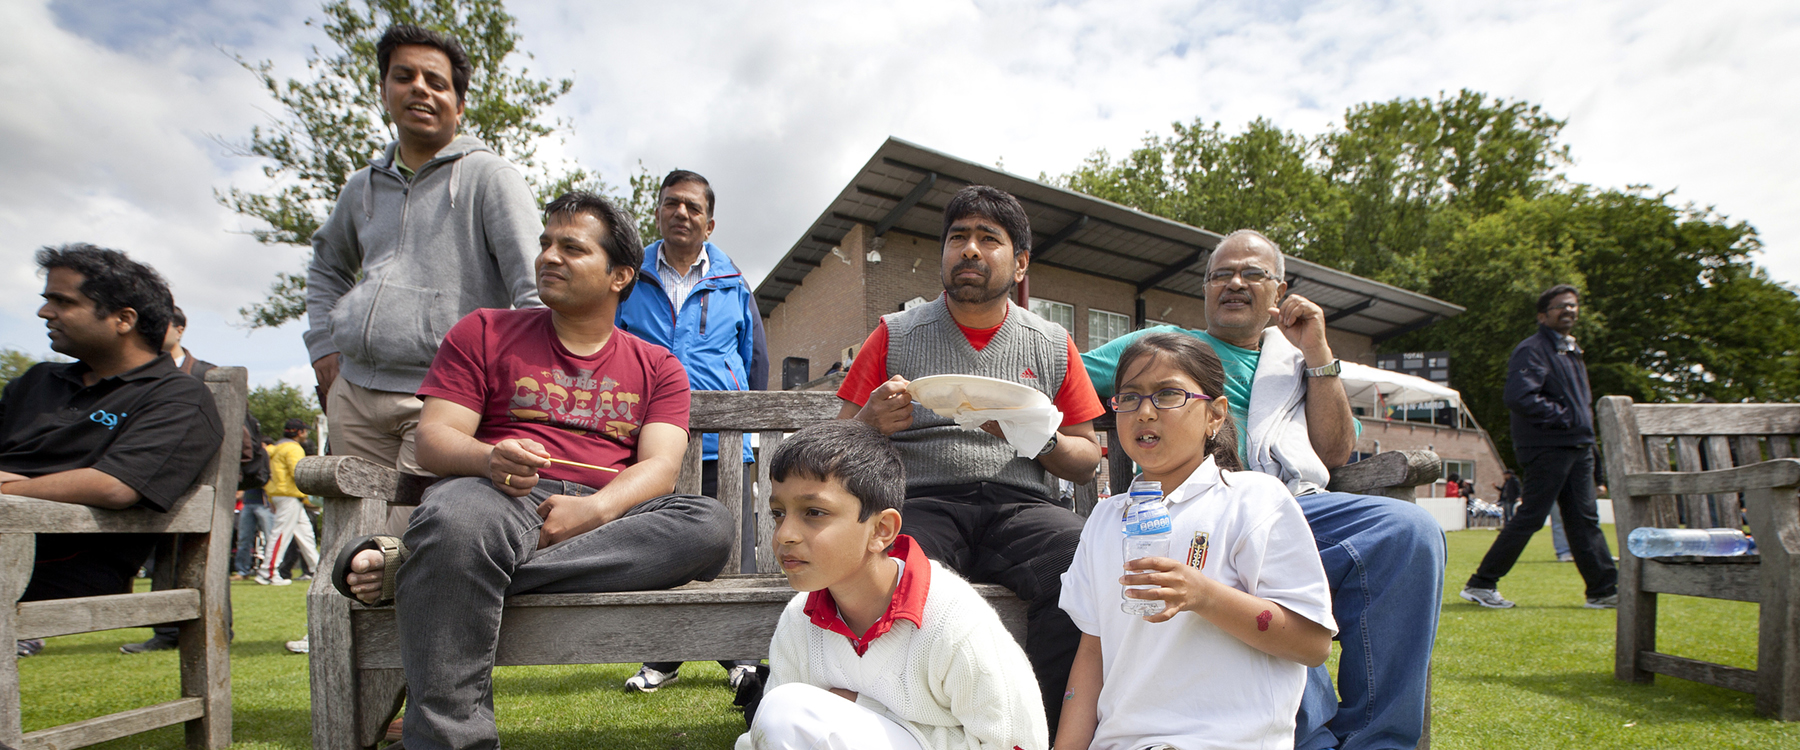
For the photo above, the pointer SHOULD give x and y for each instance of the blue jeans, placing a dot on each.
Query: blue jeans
(1385, 561)
(1558, 538)
(249, 520)
(473, 546)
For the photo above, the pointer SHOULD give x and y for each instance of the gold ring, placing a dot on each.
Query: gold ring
(507, 481)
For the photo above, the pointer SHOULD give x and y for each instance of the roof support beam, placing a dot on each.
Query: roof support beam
(1403, 330)
(906, 204)
(1349, 311)
(1044, 248)
(1169, 271)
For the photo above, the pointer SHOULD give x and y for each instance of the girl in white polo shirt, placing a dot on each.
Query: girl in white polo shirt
(1247, 605)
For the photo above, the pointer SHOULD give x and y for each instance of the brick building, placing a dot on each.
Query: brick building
(1098, 268)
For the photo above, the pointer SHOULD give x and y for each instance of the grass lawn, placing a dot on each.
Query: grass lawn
(1536, 676)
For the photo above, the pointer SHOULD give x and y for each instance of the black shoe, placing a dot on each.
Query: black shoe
(30, 647)
(154, 644)
(750, 692)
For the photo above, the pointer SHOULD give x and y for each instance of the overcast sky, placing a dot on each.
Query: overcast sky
(113, 107)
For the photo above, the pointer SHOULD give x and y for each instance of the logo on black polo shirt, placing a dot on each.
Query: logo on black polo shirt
(107, 418)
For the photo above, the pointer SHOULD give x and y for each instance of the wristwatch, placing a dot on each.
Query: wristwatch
(1330, 370)
(1049, 445)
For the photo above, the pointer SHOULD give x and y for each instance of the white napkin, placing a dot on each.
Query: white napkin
(1026, 429)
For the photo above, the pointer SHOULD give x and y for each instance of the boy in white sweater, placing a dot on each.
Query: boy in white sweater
(883, 648)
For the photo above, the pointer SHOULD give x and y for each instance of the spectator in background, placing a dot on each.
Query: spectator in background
(1553, 437)
(436, 226)
(1453, 485)
(691, 300)
(292, 525)
(143, 431)
(1509, 494)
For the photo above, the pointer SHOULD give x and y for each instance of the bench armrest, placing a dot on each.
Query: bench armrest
(1387, 472)
(1781, 472)
(192, 514)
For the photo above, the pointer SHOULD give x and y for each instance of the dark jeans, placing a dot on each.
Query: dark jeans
(256, 517)
(473, 546)
(997, 533)
(709, 486)
(1565, 477)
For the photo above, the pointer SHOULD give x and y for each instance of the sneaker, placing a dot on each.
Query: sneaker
(299, 647)
(30, 647)
(736, 676)
(1486, 597)
(154, 644)
(265, 580)
(648, 680)
(1566, 557)
(1610, 601)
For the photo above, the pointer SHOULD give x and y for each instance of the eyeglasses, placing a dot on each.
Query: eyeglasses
(1167, 398)
(1250, 275)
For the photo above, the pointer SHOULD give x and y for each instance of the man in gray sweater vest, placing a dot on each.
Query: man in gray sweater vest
(972, 502)
(435, 227)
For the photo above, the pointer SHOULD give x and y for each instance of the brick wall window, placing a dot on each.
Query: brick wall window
(1105, 326)
(1055, 312)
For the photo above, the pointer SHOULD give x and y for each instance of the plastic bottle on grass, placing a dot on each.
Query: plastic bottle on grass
(1653, 542)
(1146, 535)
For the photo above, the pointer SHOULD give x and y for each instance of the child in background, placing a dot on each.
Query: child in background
(1247, 604)
(885, 648)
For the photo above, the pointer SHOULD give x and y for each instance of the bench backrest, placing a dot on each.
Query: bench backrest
(1642, 438)
(731, 414)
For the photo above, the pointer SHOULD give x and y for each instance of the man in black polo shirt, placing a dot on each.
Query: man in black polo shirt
(120, 427)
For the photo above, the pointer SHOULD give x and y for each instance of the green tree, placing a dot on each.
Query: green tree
(333, 122)
(273, 406)
(14, 363)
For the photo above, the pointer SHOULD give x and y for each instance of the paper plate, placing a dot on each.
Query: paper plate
(949, 394)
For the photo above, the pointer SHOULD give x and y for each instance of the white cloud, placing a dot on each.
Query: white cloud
(109, 114)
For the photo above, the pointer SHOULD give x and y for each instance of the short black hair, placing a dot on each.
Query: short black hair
(680, 176)
(115, 282)
(856, 455)
(179, 319)
(293, 427)
(1553, 293)
(996, 204)
(406, 33)
(621, 239)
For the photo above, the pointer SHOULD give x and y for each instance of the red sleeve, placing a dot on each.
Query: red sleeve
(869, 370)
(670, 397)
(459, 373)
(1076, 399)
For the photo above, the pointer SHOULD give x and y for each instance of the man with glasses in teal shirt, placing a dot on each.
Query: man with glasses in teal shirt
(1384, 557)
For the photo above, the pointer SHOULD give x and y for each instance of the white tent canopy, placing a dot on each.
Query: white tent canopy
(1374, 386)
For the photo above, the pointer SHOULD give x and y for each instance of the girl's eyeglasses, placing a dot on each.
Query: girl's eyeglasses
(1167, 398)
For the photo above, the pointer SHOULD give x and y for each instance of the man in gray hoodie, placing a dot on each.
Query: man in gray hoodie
(435, 227)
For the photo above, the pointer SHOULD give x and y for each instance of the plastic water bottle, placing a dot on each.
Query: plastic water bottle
(1146, 535)
(1653, 542)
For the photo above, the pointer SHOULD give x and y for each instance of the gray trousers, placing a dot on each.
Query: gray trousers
(473, 546)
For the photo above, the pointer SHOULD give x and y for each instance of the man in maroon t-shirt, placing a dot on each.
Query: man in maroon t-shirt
(511, 395)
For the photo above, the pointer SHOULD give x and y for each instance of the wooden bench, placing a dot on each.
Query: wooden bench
(1707, 466)
(191, 591)
(357, 683)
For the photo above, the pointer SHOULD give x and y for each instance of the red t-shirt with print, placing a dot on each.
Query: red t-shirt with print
(509, 366)
(1075, 399)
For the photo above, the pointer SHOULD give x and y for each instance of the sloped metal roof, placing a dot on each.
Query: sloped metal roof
(903, 189)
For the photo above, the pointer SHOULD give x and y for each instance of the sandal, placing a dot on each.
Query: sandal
(393, 553)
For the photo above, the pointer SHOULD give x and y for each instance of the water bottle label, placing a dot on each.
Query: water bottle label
(1146, 523)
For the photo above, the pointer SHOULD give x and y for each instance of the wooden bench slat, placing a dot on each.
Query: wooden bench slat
(1784, 472)
(756, 411)
(46, 619)
(1730, 678)
(1717, 419)
(113, 726)
(767, 442)
(1664, 508)
(191, 514)
(1725, 506)
(1738, 582)
(731, 492)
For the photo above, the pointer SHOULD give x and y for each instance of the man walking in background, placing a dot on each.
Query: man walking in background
(1553, 439)
(691, 300)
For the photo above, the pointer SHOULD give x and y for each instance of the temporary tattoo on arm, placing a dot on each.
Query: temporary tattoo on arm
(1262, 620)
(1068, 695)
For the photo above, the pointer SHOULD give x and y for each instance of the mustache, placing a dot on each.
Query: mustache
(970, 265)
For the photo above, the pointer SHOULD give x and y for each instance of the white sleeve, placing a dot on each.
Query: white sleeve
(992, 692)
(1078, 582)
(1281, 559)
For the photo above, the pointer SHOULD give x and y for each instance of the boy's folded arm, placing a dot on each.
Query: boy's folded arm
(993, 693)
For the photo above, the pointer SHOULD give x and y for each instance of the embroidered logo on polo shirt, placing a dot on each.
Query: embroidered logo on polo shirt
(107, 418)
(1028, 374)
(1196, 557)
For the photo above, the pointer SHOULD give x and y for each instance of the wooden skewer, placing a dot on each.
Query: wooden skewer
(582, 465)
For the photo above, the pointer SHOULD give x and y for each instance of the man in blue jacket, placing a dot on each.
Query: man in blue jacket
(1553, 438)
(693, 301)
